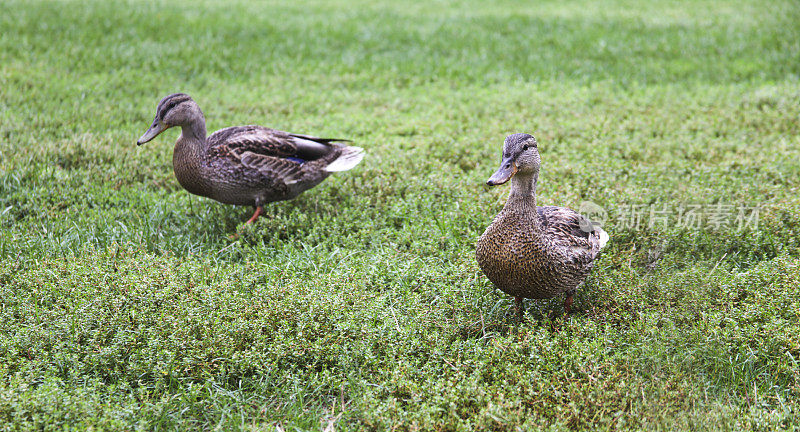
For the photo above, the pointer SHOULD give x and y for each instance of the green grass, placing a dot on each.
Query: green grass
(125, 304)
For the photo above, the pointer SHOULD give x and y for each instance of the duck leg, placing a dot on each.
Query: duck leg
(518, 307)
(568, 302)
(258, 212)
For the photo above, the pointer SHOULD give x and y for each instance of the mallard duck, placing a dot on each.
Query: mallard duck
(530, 251)
(246, 165)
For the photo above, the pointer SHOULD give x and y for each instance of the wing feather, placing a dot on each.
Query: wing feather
(279, 168)
(563, 225)
(255, 139)
(276, 154)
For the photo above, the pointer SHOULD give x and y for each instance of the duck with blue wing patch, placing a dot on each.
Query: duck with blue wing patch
(246, 165)
(530, 251)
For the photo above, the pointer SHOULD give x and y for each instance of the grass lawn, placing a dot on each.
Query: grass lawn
(126, 305)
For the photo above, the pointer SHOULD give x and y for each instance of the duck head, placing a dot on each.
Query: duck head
(520, 157)
(177, 109)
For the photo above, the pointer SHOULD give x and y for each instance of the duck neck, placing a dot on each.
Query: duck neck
(523, 190)
(192, 143)
(522, 201)
(188, 157)
(195, 130)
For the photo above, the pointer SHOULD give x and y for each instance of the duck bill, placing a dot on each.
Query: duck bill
(151, 133)
(504, 173)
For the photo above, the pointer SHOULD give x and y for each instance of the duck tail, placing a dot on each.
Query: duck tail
(602, 237)
(349, 158)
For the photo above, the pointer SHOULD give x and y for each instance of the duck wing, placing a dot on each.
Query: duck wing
(272, 152)
(272, 142)
(563, 227)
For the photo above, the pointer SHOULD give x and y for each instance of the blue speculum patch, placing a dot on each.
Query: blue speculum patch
(298, 160)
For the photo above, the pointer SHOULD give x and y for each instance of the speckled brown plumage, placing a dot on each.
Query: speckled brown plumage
(246, 165)
(530, 251)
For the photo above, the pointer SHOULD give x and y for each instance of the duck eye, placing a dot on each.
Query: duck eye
(525, 147)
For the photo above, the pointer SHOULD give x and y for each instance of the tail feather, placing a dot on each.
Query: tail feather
(349, 158)
(603, 237)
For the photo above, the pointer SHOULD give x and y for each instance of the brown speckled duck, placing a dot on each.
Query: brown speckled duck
(246, 165)
(529, 251)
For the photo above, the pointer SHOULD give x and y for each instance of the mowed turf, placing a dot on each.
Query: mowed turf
(125, 303)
